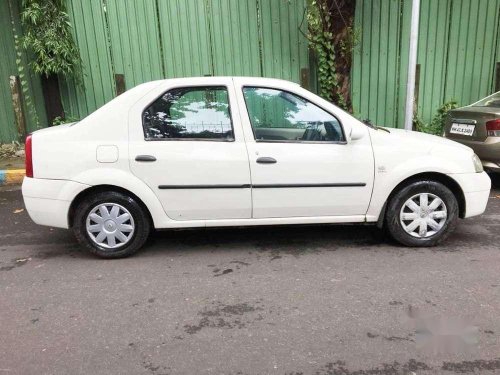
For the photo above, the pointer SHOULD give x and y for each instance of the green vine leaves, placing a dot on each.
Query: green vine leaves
(330, 49)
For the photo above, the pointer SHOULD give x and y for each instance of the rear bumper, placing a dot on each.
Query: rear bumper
(48, 201)
(49, 212)
(476, 188)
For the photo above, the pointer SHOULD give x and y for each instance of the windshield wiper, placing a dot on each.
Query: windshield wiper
(370, 124)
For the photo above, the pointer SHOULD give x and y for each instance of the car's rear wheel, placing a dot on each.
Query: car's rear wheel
(422, 213)
(111, 224)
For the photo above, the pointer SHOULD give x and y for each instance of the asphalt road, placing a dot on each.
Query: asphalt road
(277, 300)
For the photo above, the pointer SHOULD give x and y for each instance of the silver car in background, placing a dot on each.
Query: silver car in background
(478, 126)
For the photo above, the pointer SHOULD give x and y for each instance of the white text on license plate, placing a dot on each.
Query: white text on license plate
(463, 129)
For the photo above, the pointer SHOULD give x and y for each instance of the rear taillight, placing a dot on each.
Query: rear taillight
(493, 128)
(28, 150)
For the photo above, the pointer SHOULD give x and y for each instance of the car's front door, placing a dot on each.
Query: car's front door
(301, 162)
(188, 147)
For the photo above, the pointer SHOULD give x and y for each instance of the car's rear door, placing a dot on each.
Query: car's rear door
(186, 144)
(301, 162)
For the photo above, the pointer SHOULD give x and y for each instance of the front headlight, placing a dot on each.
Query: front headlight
(478, 166)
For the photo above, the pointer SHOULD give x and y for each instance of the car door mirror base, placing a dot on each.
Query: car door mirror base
(356, 133)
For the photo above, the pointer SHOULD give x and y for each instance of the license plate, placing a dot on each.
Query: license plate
(463, 129)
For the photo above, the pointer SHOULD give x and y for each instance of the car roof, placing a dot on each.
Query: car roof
(261, 80)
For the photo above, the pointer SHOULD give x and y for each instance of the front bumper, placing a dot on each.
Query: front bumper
(487, 150)
(476, 188)
(48, 201)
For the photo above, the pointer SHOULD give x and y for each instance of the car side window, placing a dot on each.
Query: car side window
(280, 116)
(189, 113)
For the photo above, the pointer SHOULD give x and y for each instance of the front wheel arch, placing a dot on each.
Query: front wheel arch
(104, 188)
(447, 181)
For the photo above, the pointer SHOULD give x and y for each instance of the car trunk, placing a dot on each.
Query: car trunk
(477, 116)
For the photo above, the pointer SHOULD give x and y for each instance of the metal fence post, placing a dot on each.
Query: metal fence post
(412, 64)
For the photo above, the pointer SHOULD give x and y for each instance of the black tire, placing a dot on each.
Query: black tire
(392, 217)
(140, 217)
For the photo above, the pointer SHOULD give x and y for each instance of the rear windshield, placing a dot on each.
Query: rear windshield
(489, 101)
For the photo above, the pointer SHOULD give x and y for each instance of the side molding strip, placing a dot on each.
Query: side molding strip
(261, 186)
(246, 186)
(278, 186)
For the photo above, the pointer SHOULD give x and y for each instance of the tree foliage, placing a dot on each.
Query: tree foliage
(47, 34)
(332, 37)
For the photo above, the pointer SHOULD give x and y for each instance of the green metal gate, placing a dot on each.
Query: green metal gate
(457, 55)
(143, 40)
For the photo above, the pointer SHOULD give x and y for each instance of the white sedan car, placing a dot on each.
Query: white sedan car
(222, 151)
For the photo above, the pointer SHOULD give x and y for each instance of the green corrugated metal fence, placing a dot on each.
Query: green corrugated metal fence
(8, 67)
(91, 37)
(457, 54)
(472, 49)
(185, 35)
(433, 40)
(150, 39)
(280, 21)
(135, 44)
(375, 78)
(234, 30)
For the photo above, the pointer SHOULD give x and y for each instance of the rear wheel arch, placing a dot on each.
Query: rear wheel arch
(447, 181)
(104, 188)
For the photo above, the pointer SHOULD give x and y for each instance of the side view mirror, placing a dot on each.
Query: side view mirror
(356, 133)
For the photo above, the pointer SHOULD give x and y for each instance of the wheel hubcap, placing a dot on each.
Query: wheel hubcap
(423, 215)
(110, 225)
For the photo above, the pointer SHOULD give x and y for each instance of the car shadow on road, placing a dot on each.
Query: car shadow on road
(296, 240)
(277, 241)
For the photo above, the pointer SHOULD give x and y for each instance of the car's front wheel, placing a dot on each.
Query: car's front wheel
(111, 224)
(422, 213)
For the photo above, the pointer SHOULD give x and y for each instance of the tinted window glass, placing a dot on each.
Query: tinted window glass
(189, 113)
(278, 115)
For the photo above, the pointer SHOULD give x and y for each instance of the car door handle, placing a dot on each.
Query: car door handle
(266, 160)
(148, 158)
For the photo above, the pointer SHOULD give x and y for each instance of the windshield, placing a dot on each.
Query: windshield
(489, 101)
